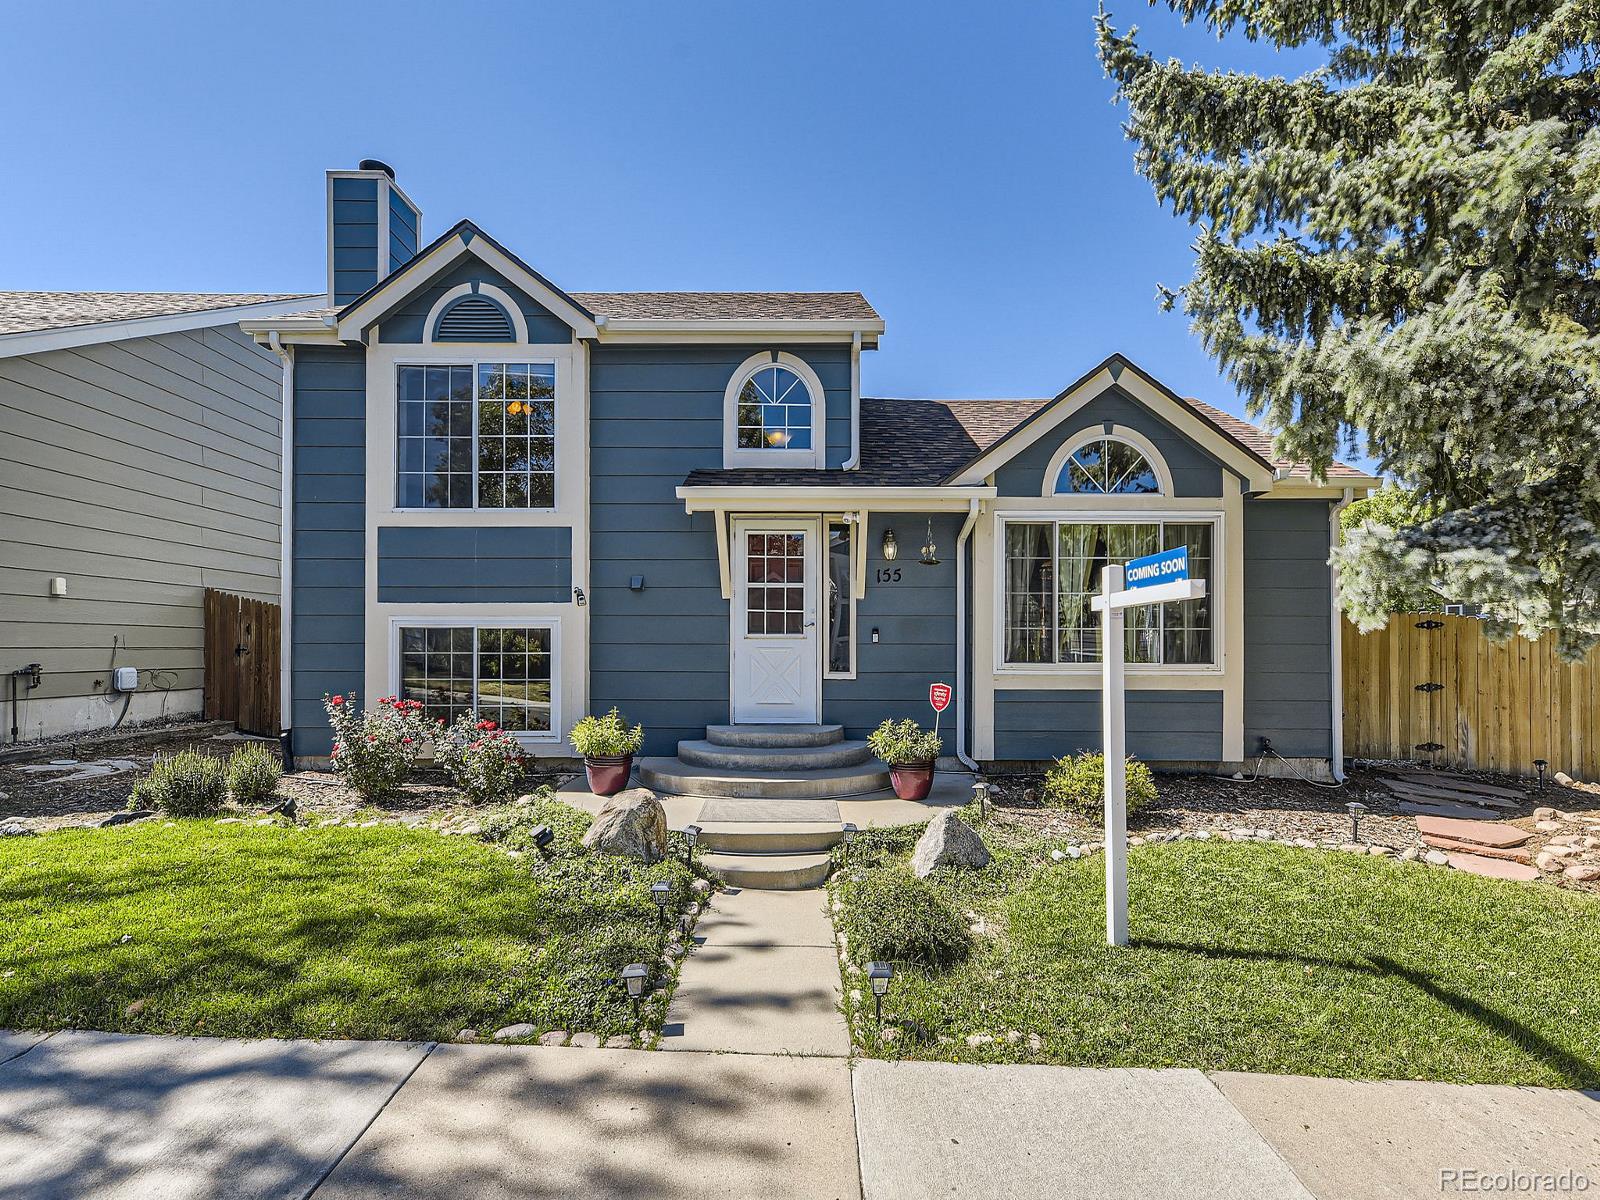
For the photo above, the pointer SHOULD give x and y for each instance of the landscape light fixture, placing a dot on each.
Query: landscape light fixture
(891, 548)
(930, 551)
(849, 830)
(633, 976)
(1355, 808)
(543, 835)
(659, 892)
(878, 975)
(691, 835)
(1541, 766)
(980, 794)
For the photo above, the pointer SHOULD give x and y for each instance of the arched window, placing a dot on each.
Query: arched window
(773, 413)
(474, 319)
(1109, 464)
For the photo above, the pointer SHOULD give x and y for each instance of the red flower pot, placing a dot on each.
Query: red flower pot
(608, 775)
(912, 781)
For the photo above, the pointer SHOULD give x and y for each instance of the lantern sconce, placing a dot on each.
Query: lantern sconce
(930, 552)
(891, 548)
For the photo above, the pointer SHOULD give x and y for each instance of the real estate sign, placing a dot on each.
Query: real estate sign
(1157, 568)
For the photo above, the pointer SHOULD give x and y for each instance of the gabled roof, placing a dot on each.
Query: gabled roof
(729, 306)
(37, 321)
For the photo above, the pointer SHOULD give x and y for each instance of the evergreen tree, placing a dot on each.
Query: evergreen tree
(1401, 247)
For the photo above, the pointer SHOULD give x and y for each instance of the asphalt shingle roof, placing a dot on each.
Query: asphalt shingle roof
(33, 312)
(728, 306)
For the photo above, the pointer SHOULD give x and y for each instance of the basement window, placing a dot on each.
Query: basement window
(499, 673)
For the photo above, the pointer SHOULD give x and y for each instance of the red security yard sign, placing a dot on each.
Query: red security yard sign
(939, 696)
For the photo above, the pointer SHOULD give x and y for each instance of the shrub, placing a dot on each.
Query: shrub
(376, 750)
(253, 773)
(1078, 782)
(513, 824)
(606, 737)
(891, 914)
(186, 784)
(482, 760)
(901, 742)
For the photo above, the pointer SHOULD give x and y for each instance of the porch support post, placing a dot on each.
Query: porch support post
(719, 527)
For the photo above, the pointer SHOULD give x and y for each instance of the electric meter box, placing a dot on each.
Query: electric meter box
(125, 679)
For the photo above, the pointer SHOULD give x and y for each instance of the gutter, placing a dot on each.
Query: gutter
(286, 543)
(961, 635)
(854, 461)
(1335, 640)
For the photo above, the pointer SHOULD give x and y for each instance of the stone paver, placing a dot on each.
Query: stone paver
(948, 1129)
(1485, 833)
(765, 979)
(1494, 868)
(493, 1122)
(1353, 1139)
(85, 1116)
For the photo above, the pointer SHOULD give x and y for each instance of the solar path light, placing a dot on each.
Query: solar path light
(659, 892)
(878, 975)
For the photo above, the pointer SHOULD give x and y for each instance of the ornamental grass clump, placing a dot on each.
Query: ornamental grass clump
(1078, 783)
(890, 914)
(253, 772)
(375, 750)
(481, 759)
(186, 784)
(902, 742)
(606, 737)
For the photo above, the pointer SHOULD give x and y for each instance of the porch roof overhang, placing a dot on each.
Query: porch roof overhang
(854, 503)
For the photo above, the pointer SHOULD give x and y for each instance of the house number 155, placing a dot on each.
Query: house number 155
(888, 575)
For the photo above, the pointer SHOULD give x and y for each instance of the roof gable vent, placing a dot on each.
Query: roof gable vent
(474, 319)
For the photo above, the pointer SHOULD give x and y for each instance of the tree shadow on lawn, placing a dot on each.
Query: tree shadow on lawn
(1579, 1071)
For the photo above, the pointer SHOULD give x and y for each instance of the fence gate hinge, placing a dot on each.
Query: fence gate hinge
(1430, 747)
(1430, 687)
(1430, 623)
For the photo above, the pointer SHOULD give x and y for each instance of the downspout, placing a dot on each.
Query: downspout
(1335, 640)
(286, 551)
(961, 636)
(854, 461)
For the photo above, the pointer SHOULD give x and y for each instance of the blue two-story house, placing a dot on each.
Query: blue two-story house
(544, 503)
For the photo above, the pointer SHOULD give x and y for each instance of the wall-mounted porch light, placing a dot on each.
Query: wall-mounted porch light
(930, 552)
(891, 548)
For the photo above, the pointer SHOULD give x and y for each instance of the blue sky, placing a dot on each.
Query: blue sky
(961, 164)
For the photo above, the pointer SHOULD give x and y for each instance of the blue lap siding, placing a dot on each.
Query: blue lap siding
(329, 537)
(1162, 726)
(1287, 634)
(450, 565)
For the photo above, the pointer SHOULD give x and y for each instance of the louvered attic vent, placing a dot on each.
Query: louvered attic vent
(474, 319)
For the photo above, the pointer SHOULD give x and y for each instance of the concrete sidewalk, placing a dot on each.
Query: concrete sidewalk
(110, 1117)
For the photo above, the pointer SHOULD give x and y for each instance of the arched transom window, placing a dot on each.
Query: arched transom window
(774, 411)
(1107, 465)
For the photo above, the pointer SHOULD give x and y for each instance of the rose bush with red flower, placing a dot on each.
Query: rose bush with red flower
(483, 760)
(376, 749)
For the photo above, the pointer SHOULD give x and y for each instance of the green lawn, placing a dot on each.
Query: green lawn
(381, 932)
(1257, 958)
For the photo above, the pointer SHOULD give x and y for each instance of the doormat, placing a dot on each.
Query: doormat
(722, 808)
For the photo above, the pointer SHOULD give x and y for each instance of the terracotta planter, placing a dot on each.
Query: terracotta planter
(608, 774)
(912, 781)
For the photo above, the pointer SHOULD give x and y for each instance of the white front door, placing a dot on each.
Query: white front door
(777, 671)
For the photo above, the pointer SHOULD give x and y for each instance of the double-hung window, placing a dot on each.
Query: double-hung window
(501, 673)
(476, 435)
(1052, 572)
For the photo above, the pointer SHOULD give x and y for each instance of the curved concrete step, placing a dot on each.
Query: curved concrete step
(769, 837)
(773, 759)
(770, 872)
(773, 736)
(681, 779)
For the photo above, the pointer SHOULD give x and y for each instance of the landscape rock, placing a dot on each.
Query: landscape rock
(1583, 872)
(619, 1041)
(632, 824)
(556, 1037)
(1436, 858)
(1409, 854)
(1543, 813)
(510, 1033)
(588, 1041)
(467, 1035)
(703, 886)
(12, 829)
(978, 1039)
(1564, 779)
(1547, 826)
(1548, 862)
(948, 842)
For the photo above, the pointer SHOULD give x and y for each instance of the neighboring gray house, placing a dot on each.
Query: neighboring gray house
(140, 447)
(540, 504)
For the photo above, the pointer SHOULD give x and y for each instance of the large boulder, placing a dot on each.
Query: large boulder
(948, 842)
(631, 825)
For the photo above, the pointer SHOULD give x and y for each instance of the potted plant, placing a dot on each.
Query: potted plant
(910, 751)
(608, 747)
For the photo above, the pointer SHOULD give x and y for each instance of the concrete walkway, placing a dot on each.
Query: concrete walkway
(764, 979)
(109, 1117)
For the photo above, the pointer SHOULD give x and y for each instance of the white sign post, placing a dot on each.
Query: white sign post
(1156, 579)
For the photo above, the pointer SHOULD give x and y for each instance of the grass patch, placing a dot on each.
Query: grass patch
(382, 932)
(1259, 958)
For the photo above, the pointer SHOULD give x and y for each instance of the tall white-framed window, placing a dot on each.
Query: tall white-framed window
(839, 656)
(1108, 461)
(505, 671)
(774, 413)
(1050, 571)
(475, 434)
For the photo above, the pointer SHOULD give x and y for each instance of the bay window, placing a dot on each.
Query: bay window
(476, 435)
(1052, 571)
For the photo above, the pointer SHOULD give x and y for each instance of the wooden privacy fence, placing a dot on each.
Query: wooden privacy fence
(1435, 689)
(242, 662)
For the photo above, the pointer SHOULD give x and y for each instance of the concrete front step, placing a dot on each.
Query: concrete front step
(774, 736)
(770, 837)
(681, 779)
(769, 872)
(773, 759)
